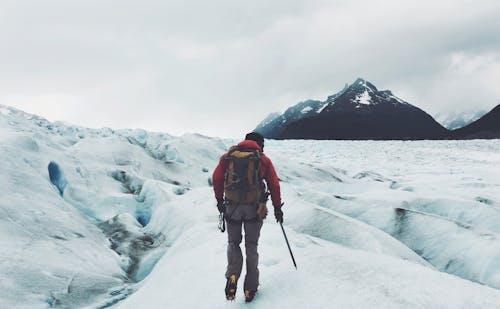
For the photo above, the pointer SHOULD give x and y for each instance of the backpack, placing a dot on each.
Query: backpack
(241, 181)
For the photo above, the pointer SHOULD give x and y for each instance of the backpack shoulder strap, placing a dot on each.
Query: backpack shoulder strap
(232, 149)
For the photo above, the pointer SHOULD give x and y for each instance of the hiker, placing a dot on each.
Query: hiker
(241, 195)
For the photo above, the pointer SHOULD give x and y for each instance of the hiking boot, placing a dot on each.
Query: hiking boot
(231, 287)
(249, 295)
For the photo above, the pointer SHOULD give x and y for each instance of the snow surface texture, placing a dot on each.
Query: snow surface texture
(83, 212)
(96, 218)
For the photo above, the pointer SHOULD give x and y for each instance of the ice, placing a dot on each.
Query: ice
(127, 218)
(333, 226)
(57, 178)
(451, 246)
(4, 110)
(446, 182)
(191, 276)
(133, 244)
(60, 185)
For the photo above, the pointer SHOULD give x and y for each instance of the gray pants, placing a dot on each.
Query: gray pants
(243, 215)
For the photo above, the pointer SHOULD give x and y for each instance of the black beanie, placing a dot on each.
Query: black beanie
(256, 137)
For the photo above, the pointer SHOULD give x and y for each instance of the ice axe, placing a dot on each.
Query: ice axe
(288, 244)
(222, 223)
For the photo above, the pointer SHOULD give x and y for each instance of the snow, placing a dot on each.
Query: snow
(322, 107)
(96, 218)
(4, 110)
(61, 185)
(397, 99)
(454, 120)
(364, 98)
(454, 182)
(306, 109)
(329, 275)
(272, 117)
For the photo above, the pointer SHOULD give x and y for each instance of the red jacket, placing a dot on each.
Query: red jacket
(266, 173)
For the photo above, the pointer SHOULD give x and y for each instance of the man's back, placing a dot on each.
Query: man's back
(266, 172)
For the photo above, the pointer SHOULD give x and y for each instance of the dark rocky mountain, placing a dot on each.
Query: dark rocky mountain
(486, 127)
(274, 124)
(359, 111)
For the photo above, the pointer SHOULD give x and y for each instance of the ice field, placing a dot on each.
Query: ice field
(99, 218)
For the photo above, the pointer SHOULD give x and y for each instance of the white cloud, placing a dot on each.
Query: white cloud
(221, 66)
(470, 81)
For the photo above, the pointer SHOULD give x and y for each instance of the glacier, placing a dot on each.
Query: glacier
(100, 218)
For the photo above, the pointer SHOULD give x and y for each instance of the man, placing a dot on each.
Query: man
(240, 207)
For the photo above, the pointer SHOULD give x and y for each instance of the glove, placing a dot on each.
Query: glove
(278, 213)
(221, 206)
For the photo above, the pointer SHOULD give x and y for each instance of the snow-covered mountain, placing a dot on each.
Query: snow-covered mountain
(488, 126)
(274, 124)
(456, 120)
(98, 218)
(359, 111)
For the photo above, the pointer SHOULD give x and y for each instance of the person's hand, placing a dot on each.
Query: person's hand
(278, 213)
(221, 206)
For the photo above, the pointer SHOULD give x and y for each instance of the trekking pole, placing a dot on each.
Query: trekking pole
(289, 249)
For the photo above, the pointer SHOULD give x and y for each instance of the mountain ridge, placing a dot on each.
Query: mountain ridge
(453, 120)
(362, 112)
(358, 111)
(486, 127)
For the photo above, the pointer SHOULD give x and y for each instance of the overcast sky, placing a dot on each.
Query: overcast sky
(219, 67)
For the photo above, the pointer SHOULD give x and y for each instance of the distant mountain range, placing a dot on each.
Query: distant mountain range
(360, 111)
(485, 127)
(456, 120)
